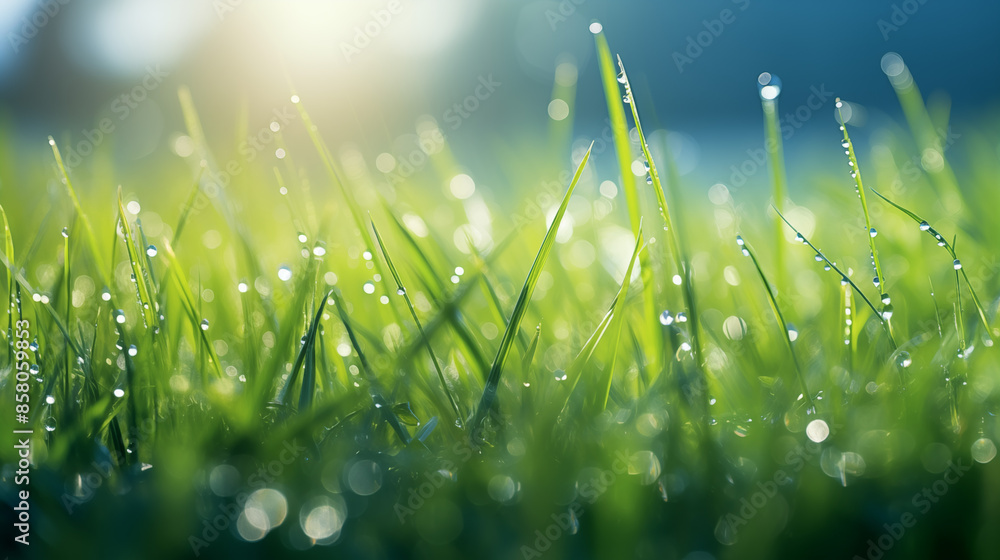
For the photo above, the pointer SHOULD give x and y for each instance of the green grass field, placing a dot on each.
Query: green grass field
(319, 354)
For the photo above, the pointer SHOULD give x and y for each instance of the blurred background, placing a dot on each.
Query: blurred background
(370, 70)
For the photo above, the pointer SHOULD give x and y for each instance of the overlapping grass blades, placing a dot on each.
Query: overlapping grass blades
(401, 290)
(514, 324)
(950, 247)
(785, 335)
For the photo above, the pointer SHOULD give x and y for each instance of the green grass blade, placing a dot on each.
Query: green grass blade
(135, 261)
(493, 380)
(778, 315)
(308, 347)
(924, 226)
(91, 238)
(188, 300)
(401, 290)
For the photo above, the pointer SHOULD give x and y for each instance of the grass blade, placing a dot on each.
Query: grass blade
(493, 380)
(401, 290)
(778, 315)
(950, 247)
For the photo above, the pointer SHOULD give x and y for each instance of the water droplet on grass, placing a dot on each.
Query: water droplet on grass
(560, 375)
(368, 287)
(204, 324)
(132, 350)
(284, 273)
(903, 360)
(793, 333)
(303, 238)
(666, 318)
(401, 291)
(984, 450)
(924, 226)
(65, 232)
(106, 295)
(119, 393)
(872, 232)
(957, 264)
(50, 424)
(151, 251)
(243, 287)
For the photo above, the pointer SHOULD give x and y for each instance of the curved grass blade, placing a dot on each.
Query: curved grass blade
(11, 286)
(188, 300)
(135, 261)
(843, 277)
(375, 390)
(950, 247)
(309, 377)
(676, 249)
(778, 315)
(91, 238)
(513, 326)
(856, 175)
(401, 290)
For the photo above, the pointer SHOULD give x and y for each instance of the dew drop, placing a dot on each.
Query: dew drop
(924, 226)
(243, 287)
(872, 232)
(799, 238)
(50, 424)
(106, 295)
(886, 300)
(626, 99)
(666, 318)
(793, 333)
(560, 375)
(151, 251)
(682, 317)
(957, 264)
(903, 360)
(50, 399)
(887, 312)
(284, 273)
(119, 393)
(984, 450)
(875, 281)
(369, 288)
(132, 350)
(120, 317)
(204, 324)
(65, 232)
(302, 237)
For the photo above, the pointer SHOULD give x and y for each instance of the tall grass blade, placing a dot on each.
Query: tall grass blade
(493, 380)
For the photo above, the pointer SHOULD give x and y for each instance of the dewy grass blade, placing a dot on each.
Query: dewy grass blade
(493, 380)
(619, 128)
(599, 399)
(11, 285)
(956, 263)
(188, 300)
(91, 238)
(375, 391)
(852, 160)
(401, 290)
(308, 346)
(843, 277)
(745, 248)
(135, 261)
(676, 249)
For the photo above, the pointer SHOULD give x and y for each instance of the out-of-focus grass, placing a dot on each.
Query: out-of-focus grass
(258, 369)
